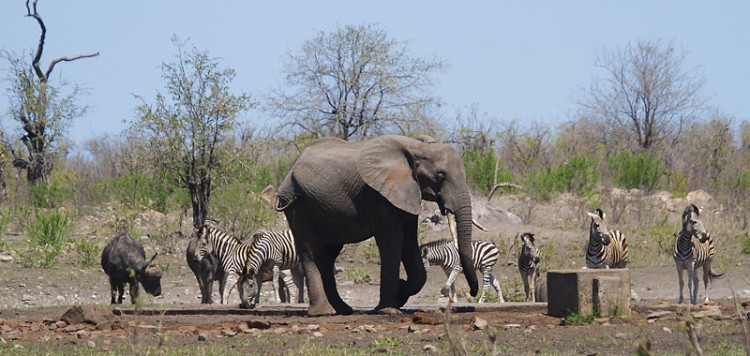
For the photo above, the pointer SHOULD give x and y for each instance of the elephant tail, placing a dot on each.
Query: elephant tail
(285, 197)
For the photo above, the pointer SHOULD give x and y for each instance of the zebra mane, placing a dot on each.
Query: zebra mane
(529, 236)
(691, 208)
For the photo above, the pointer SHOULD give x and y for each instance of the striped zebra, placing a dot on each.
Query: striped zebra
(606, 248)
(528, 264)
(273, 250)
(444, 253)
(232, 255)
(693, 249)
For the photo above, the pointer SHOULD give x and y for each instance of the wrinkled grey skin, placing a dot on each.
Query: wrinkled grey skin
(124, 261)
(340, 192)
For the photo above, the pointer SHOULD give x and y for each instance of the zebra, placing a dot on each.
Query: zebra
(444, 253)
(528, 264)
(232, 255)
(606, 248)
(273, 250)
(693, 249)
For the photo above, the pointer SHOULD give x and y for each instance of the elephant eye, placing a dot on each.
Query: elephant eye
(440, 177)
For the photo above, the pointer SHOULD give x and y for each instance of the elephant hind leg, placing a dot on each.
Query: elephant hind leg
(321, 273)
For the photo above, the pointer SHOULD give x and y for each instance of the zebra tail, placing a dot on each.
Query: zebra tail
(713, 274)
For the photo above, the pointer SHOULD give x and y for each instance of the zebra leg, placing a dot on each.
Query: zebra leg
(534, 273)
(692, 282)
(525, 278)
(222, 286)
(449, 289)
(706, 278)
(498, 290)
(275, 283)
(232, 279)
(680, 268)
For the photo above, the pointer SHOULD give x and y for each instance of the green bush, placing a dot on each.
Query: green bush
(578, 175)
(641, 171)
(49, 195)
(480, 170)
(45, 238)
(88, 251)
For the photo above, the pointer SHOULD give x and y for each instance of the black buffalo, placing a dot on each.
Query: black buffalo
(124, 260)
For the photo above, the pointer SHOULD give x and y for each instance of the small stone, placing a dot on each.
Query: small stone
(479, 323)
(202, 337)
(91, 344)
(318, 334)
(511, 326)
(228, 332)
(313, 327)
(667, 330)
(6, 258)
(621, 336)
(429, 348)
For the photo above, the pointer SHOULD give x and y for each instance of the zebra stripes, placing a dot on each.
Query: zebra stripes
(444, 253)
(693, 249)
(528, 264)
(233, 257)
(273, 251)
(606, 248)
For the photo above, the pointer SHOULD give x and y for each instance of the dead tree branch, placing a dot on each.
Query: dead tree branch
(503, 185)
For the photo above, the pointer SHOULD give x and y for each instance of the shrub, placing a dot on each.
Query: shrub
(480, 170)
(577, 175)
(641, 171)
(45, 238)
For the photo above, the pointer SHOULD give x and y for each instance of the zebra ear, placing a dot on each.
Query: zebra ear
(530, 237)
(601, 213)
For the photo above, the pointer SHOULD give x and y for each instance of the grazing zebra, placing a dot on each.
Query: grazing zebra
(444, 253)
(273, 251)
(693, 249)
(606, 248)
(232, 256)
(528, 264)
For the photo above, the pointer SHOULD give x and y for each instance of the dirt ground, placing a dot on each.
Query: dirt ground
(33, 302)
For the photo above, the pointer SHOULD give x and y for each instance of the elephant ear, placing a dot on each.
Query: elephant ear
(385, 164)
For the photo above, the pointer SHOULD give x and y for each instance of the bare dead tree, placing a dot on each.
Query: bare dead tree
(353, 82)
(41, 113)
(645, 96)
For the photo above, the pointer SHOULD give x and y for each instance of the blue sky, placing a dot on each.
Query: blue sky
(518, 60)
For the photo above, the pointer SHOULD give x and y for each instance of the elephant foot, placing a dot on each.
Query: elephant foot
(325, 310)
(388, 311)
(344, 309)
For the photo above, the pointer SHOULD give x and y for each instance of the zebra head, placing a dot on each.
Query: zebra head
(598, 231)
(204, 247)
(528, 248)
(692, 224)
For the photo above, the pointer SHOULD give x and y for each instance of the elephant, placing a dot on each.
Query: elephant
(340, 192)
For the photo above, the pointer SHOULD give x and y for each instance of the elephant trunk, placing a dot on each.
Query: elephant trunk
(465, 250)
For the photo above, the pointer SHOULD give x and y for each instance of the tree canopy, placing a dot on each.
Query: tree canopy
(353, 82)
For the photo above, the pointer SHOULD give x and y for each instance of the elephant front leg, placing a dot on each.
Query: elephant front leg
(416, 275)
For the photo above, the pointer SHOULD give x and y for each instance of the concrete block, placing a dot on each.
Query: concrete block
(573, 292)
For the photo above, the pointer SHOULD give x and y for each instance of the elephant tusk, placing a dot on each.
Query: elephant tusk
(478, 225)
(452, 227)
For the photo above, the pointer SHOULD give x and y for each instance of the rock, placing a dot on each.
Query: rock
(318, 334)
(424, 319)
(91, 344)
(621, 336)
(228, 332)
(511, 326)
(667, 330)
(202, 337)
(86, 314)
(659, 314)
(259, 324)
(429, 348)
(699, 197)
(479, 323)
(6, 258)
